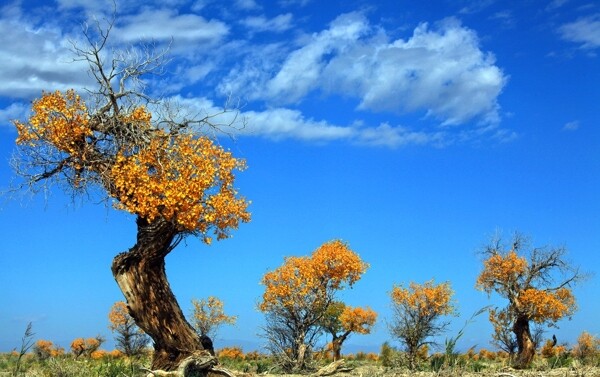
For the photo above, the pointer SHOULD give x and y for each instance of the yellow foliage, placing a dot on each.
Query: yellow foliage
(587, 347)
(184, 179)
(309, 282)
(99, 354)
(543, 305)
(116, 354)
(208, 314)
(87, 346)
(45, 348)
(118, 315)
(423, 352)
(487, 355)
(425, 300)
(501, 268)
(526, 287)
(78, 346)
(61, 120)
(358, 320)
(234, 353)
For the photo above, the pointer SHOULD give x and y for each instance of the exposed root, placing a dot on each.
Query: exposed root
(199, 363)
(333, 368)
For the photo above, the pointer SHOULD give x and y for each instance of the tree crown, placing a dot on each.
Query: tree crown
(424, 300)
(308, 283)
(537, 286)
(167, 173)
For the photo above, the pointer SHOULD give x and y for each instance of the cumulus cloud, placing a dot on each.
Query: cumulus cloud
(35, 58)
(167, 24)
(571, 126)
(440, 71)
(14, 111)
(277, 24)
(246, 4)
(585, 31)
(282, 123)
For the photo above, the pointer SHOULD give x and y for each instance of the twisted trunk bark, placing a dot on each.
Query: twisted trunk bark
(140, 273)
(526, 348)
(336, 345)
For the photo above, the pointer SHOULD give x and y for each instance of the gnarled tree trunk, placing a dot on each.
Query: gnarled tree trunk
(336, 345)
(140, 273)
(526, 348)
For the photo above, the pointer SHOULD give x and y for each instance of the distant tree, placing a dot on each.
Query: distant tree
(130, 339)
(537, 287)
(86, 347)
(503, 336)
(340, 320)
(587, 347)
(208, 315)
(417, 314)
(161, 166)
(42, 349)
(297, 295)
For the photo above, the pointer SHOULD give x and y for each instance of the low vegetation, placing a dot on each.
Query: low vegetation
(45, 359)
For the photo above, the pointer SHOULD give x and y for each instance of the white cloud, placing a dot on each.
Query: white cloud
(398, 136)
(167, 24)
(15, 111)
(441, 71)
(35, 58)
(282, 123)
(277, 24)
(585, 31)
(438, 71)
(571, 126)
(246, 4)
(303, 69)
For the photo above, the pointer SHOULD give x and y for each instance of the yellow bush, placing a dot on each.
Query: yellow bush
(235, 353)
(587, 347)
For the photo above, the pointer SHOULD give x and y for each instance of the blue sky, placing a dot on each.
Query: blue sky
(413, 131)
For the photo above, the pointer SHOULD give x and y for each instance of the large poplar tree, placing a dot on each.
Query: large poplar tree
(176, 181)
(537, 282)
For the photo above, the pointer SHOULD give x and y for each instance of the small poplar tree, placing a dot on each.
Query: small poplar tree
(297, 295)
(340, 320)
(208, 315)
(130, 339)
(417, 314)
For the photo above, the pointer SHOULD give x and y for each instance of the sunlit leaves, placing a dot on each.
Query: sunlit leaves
(587, 347)
(152, 171)
(183, 179)
(426, 300)
(527, 284)
(208, 315)
(43, 349)
(298, 294)
(418, 309)
(118, 316)
(58, 119)
(81, 346)
(358, 320)
(545, 305)
(502, 271)
(538, 289)
(129, 338)
(308, 283)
